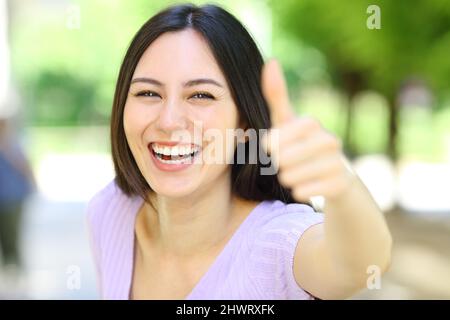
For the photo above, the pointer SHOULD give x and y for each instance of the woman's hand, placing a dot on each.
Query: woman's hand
(309, 158)
(355, 235)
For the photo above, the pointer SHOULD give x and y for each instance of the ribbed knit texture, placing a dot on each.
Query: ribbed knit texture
(256, 263)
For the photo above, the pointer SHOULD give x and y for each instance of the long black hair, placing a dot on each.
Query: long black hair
(241, 63)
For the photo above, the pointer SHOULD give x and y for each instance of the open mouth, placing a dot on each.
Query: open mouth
(177, 154)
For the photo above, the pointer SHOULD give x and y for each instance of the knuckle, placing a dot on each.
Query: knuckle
(284, 177)
(282, 162)
(337, 168)
(311, 123)
(331, 141)
(298, 193)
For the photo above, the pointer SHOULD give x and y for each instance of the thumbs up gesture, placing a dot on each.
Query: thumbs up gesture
(310, 159)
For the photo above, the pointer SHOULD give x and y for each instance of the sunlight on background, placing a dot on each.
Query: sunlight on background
(62, 177)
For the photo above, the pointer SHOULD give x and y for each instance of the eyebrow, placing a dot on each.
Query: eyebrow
(189, 83)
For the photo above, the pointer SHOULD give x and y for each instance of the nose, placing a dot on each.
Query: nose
(172, 117)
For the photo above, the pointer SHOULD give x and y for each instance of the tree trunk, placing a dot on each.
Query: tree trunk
(348, 143)
(392, 147)
(353, 84)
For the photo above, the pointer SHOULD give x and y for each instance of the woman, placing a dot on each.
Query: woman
(176, 225)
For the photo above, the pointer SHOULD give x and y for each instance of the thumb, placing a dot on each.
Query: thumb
(276, 94)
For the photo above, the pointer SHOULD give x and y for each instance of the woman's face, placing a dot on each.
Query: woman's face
(178, 83)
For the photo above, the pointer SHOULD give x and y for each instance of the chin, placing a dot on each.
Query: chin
(176, 188)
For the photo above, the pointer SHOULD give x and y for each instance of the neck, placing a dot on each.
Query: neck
(192, 225)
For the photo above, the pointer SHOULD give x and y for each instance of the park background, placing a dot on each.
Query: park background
(384, 91)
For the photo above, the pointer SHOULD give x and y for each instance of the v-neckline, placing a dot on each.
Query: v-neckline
(212, 266)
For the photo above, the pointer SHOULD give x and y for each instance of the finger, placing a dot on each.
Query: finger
(299, 128)
(276, 93)
(326, 168)
(327, 189)
(309, 148)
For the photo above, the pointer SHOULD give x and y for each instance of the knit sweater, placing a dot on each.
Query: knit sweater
(255, 264)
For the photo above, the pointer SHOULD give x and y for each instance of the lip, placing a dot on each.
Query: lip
(170, 143)
(169, 166)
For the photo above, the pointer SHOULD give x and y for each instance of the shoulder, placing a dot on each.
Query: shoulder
(99, 204)
(277, 234)
(287, 224)
(107, 207)
(110, 216)
(292, 217)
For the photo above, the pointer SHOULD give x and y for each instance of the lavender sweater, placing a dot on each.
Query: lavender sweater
(256, 263)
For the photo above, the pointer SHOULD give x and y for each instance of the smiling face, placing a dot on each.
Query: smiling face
(177, 83)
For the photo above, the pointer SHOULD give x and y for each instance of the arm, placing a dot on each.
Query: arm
(331, 259)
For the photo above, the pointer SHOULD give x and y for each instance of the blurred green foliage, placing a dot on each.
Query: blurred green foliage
(67, 76)
(414, 39)
(413, 42)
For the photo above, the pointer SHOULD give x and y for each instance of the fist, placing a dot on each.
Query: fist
(309, 159)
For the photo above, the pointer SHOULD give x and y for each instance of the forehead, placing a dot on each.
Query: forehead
(179, 55)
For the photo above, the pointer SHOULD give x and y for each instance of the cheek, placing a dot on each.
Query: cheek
(222, 117)
(219, 131)
(134, 125)
(135, 120)
(130, 119)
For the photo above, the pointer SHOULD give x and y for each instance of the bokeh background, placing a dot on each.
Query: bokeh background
(385, 91)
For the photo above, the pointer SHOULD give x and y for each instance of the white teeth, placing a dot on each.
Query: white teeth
(175, 150)
(166, 151)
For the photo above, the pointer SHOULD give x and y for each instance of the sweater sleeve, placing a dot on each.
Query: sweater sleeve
(276, 245)
(297, 223)
(95, 211)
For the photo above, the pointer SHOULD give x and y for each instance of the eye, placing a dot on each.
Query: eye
(147, 93)
(202, 95)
